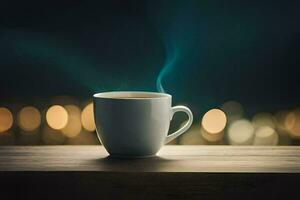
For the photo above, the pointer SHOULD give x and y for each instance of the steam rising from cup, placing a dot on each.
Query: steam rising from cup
(179, 30)
(170, 62)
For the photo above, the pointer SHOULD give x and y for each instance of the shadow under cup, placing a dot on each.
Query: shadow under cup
(134, 124)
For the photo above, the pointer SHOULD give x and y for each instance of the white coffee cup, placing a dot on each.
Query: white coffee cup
(136, 124)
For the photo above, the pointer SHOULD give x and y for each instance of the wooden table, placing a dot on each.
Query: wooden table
(178, 172)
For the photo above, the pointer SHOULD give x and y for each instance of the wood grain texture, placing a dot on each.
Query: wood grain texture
(178, 172)
(169, 159)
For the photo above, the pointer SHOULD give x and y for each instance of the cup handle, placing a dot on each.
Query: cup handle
(185, 127)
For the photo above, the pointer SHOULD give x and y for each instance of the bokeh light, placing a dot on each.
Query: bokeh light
(87, 118)
(264, 119)
(57, 117)
(66, 123)
(213, 124)
(214, 121)
(73, 126)
(280, 117)
(265, 135)
(29, 118)
(241, 132)
(6, 119)
(233, 110)
(292, 123)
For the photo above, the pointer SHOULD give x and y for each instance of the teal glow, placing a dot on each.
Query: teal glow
(67, 61)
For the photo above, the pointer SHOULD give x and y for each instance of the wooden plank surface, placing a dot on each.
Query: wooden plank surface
(219, 159)
(178, 172)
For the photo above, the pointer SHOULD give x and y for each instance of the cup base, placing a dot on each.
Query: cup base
(130, 156)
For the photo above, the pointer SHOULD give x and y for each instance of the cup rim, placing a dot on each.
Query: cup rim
(129, 95)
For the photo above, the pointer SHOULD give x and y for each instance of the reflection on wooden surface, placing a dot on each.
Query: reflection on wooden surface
(170, 159)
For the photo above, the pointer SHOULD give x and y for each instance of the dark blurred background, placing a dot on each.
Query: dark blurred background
(204, 53)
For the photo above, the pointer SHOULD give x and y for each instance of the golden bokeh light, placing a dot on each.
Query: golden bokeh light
(57, 117)
(289, 121)
(233, 110)
(73, 127)
(265, 135)
(213, 124)
(292, 123)
(264, 119)
(280, 117)
(29, 118)
(6, 119)
(241, 132)
(87, 118)
(214, 121)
